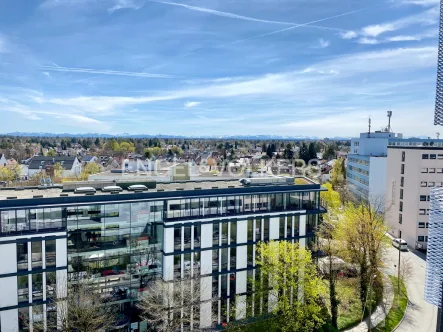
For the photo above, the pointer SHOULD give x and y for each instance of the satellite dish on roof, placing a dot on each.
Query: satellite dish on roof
(42, 181)
(48, 181)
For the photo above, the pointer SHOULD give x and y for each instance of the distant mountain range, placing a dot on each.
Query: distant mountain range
(125, 135)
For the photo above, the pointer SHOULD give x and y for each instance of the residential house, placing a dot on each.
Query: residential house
(71, 165)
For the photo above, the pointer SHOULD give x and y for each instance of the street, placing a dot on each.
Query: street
(420, 315)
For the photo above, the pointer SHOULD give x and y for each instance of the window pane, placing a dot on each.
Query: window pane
(215, 234)
(224, 233)
(22, 256)
(187, 237)
(50, 252)
(36, 254)
(50, 285)
(37, 286)
(197, 236)
(22, 286)
(233, 232)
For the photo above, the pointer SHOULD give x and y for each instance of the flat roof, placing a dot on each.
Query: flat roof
(56, 196)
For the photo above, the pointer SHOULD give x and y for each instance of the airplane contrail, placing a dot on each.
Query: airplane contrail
(105, 72)
(235, 16)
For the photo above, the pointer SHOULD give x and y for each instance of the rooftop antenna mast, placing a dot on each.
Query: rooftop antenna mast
(389, 121)
(369, 127)
(438, 135)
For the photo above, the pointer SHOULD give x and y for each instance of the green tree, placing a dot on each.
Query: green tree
(288, 153)
(126, 147)
(289, 280)
(328, 244)
(148, 153)
(304, 153)
(312, 152)
(89, 169)
(330, 152)
(362, 231)
(6, 174)
(337, 176)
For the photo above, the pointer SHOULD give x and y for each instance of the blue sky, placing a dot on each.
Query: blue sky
(218, 67)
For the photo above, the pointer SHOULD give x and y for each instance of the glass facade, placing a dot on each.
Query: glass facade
(120, 246)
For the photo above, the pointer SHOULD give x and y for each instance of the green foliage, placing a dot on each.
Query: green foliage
(338, 173)
(89, 169)
(51, 153)
(330, 152)
(6, 174)
(297, 289)
(361, 230)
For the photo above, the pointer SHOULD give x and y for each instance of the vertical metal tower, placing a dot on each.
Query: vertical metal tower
(438, 115)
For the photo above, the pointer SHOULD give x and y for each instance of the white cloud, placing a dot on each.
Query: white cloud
(418, 2)
(323, 43)
(348, 34)
(417, 37)
(312, 88)
(428, 17)
(124, 4)
(191, 104)
(368, 41)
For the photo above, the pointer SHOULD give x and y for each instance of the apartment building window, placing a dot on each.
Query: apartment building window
(403, 156)
(402, 168)
(421, 238)
(427, 225)
(422, 198)
(51, 284)
(440, 156)
(187, 237)
(224, 233)
(439, 170)
(421, 225)
(422, 212)
(37, 286)
(233, 232)
(401, 193)
(23, 288)
(282, 228)
(427, 212)
(429, 198)
(215, 233)
(401, 206)
(431, 184)
(432, 156)
(50, 252)
(424, 156)
(197, 236)
(424, 184)
(400, 218)
(250, 229)
(424, 170)
(36, 248)
(402, 181)
(22, 256)
(439, 184)
(432, 170)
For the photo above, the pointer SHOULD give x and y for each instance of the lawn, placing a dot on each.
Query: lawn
(398, 309)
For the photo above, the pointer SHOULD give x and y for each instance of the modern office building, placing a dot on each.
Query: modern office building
(366, 164)
(49, 237)
(414, 166)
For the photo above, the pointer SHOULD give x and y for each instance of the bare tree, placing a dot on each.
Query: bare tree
(77, 307)
(172, 306)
